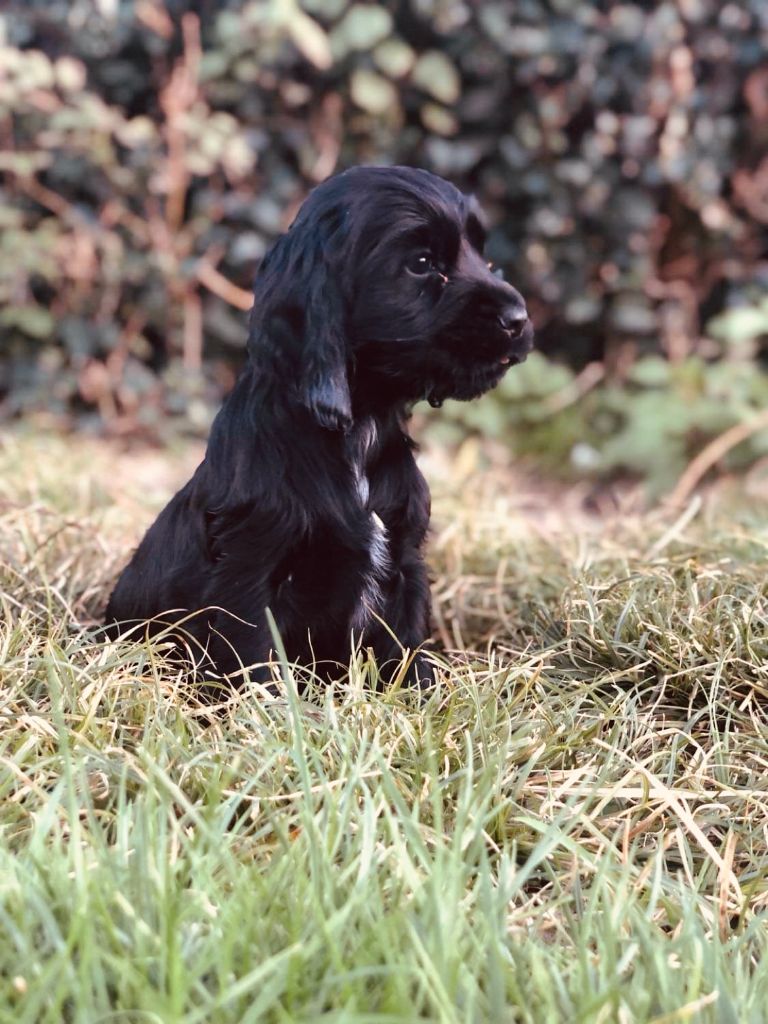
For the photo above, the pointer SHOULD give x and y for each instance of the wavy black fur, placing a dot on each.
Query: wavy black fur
(309, 501)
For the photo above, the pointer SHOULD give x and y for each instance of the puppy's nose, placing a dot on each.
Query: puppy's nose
(513, 319)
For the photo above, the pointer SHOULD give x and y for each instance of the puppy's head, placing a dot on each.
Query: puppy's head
(385, 297)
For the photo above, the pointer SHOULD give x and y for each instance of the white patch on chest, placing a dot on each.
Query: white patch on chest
(379, 548)
(362, 486)
(371, 598)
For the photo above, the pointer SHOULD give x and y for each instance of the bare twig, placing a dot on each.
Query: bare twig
(215, 281)
(575, 390)
(674, 531)
(176, 99)
(49, 199)
(155, 17)
(193, 331)
(713, 452)
(677, 342)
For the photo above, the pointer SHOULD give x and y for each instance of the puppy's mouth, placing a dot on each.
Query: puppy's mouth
(513, 360)
(519, 341)
(486, 370)
(510, 358)
(486, 374)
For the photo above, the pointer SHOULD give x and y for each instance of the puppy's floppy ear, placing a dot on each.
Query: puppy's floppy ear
(323, 386)
(298, 319)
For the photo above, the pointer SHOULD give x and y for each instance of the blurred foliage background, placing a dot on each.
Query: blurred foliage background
(151, 151)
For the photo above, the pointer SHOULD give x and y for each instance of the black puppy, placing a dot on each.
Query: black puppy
(309, 501)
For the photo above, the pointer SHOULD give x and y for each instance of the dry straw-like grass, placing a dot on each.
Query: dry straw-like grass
(572, 827)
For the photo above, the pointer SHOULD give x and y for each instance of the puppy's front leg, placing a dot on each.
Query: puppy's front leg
(406, 614)
(239, 639)
(247, 548)
(312, 587)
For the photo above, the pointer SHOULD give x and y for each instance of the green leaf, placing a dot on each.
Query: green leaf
(436, 74)
(438, 120)
(652, 372)
(743, 323)
(310, 39)
(394, 57)
(362, 27)
(32, 320)
(372, 92)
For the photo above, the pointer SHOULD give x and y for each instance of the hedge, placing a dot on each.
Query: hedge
(151, 152)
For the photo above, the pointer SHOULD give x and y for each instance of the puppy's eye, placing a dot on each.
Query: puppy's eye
(420, 263)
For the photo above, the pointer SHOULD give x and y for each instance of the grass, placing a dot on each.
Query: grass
(573, 827)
